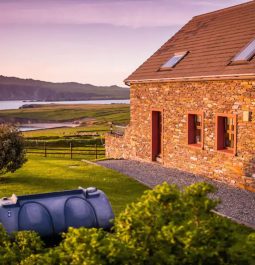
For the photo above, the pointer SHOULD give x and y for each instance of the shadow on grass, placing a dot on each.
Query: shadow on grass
(3, 179)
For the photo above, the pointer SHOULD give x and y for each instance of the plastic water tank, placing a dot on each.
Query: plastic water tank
(52, 213)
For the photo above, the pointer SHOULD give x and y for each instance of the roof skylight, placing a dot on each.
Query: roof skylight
(175, 59)
(246, 54)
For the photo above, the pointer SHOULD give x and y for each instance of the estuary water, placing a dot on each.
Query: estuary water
(43, 126)
(16, 104)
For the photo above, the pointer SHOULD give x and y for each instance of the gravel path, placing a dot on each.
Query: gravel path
(235, 203)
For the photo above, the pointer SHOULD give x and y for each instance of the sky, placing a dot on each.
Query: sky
(89, 41)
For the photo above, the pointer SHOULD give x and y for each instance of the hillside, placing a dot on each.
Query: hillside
(12, 88)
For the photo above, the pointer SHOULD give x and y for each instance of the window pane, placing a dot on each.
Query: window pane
(247, 53)
(198, 120)
(198, 129)
(173, 60)
(198, 136)
(229, 133)
(194, 129)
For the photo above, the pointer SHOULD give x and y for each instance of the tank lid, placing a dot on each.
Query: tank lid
(91, 189)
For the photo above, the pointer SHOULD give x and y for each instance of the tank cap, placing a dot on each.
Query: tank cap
(91, 189)
(8, 200)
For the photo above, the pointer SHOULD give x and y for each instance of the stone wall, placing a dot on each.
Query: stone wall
(120, 146)
(176, 99)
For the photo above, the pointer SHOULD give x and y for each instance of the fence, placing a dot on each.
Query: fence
(89, 151)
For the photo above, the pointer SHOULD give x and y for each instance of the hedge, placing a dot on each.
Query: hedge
(64, 142)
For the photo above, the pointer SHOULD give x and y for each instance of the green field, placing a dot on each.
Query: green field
(40, 175)
(118, 113)
(67, 132)
(94, 121)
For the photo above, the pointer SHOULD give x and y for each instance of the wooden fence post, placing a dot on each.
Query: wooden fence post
(45, 150)
(71, 150)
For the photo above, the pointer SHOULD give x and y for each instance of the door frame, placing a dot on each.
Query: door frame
(161, 110)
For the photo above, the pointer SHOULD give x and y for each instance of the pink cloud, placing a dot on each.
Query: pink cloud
(141, 13)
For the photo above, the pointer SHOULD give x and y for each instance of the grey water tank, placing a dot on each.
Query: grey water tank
(52, 213)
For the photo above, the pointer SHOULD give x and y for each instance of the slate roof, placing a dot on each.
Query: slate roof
(212, 40)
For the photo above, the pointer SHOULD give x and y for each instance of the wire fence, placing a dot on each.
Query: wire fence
(88, 151)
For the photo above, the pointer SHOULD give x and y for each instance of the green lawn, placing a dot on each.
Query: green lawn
(41, 174)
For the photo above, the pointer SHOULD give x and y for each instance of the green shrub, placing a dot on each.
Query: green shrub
(166, 226)
(12, 149)
(171, 227)
(17, 247)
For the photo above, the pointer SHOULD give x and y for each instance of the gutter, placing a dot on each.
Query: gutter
(193, 78)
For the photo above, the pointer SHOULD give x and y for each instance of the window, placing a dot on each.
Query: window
(226, 133)
(175, 59)
(195, 129)
(246, 54)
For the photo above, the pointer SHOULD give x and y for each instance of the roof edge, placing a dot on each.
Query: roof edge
(194, 78)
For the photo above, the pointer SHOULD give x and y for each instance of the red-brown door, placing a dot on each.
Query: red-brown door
(156, 135)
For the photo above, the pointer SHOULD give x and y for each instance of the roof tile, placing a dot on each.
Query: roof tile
(212, 40)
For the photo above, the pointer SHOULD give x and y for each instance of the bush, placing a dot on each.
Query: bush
(12, 152)
(166, 226)
(19, 246)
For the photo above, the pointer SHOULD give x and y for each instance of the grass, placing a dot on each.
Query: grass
(41, 174)
(61, 113)
(64, 132)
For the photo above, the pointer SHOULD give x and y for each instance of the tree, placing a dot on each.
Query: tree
(12, 149)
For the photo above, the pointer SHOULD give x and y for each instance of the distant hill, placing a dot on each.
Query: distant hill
(12, 88)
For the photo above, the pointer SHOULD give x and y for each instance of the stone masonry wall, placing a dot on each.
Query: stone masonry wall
(176, 99)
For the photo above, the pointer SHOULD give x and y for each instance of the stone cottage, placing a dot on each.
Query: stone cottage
(193, 100)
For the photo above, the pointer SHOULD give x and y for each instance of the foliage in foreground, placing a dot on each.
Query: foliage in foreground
(166, 226)
(18, 247)
(12, 149)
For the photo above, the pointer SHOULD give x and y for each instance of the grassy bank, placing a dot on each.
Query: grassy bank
(52, 174)
(60, 113)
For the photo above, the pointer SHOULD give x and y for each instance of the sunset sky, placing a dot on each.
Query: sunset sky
(89, 41)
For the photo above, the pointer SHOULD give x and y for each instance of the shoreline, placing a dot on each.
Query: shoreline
(45, 126)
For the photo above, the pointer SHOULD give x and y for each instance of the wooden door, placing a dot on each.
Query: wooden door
(156, 134)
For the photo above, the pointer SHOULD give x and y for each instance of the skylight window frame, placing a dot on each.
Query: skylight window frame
(182, 56)
(248, 58)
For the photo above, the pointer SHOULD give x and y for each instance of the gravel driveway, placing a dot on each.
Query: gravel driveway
(235, 203)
